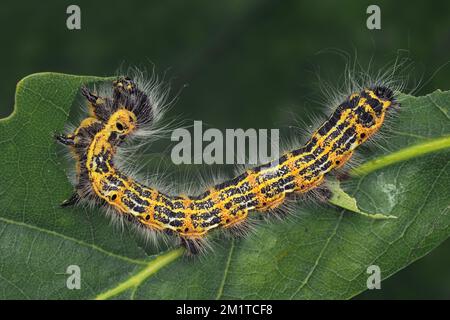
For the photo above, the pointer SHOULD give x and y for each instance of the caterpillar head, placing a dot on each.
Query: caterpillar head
(129, 95)
(369, 107)
(372, 105)
(124, 85)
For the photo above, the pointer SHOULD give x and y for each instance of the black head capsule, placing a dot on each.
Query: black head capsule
(124, 84)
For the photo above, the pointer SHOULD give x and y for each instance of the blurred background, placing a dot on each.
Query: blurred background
(241, 64)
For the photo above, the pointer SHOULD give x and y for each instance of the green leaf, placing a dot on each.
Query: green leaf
(321, 252)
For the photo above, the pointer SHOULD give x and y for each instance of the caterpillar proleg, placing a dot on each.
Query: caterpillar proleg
(114, 118)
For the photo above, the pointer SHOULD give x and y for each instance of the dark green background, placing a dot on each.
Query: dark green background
(245, 63)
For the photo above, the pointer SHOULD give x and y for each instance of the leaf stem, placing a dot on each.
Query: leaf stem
(402, 155)
(154, 266)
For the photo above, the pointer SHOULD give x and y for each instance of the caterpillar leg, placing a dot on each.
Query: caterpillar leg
(193, 246)
(67, 140)
(342, 175)
(99, 107)
(91, 97)
(323, 193)
(240, 229)
(74, 198)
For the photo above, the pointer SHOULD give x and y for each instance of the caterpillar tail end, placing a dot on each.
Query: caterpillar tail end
(65, 140)
(74, 198)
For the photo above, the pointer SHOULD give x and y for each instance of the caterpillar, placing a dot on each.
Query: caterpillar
(116, 117)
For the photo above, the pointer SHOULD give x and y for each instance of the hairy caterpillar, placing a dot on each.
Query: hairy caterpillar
(114, 118)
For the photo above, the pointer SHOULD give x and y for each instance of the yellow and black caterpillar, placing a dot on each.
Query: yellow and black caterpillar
(226, 205)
